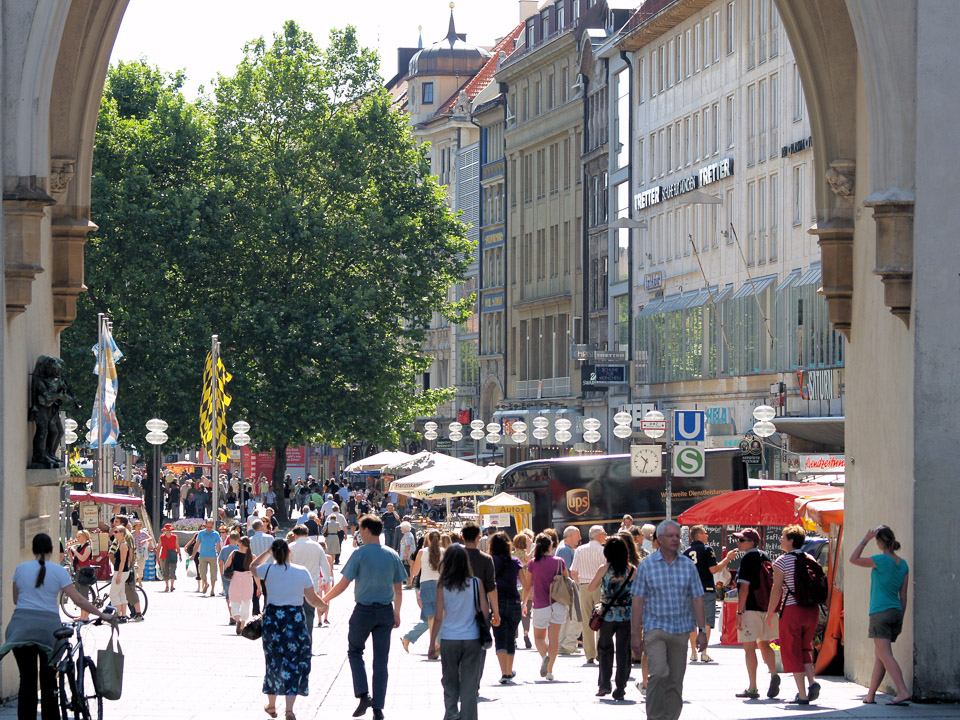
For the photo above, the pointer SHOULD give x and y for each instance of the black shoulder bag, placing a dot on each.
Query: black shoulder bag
(601, 612)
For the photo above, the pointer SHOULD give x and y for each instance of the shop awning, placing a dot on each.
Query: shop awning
(822, 430)
(757, 286)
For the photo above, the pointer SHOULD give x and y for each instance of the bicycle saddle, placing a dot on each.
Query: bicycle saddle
(63, 633)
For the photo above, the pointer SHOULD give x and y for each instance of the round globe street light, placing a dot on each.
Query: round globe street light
(69, 432)
(654, 424)
(540, 422)
(493, 428)
(623, 431)
(476, 424)
(591, 424)
(240, 439)
(430, 425)
(763, 428)
(623, 418)
(157, 437)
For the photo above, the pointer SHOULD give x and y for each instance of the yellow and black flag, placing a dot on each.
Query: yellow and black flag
(207, 408)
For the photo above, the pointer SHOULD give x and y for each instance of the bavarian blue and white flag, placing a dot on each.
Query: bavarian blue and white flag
(107, 432)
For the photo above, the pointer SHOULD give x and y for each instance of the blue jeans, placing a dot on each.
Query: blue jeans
(376, 620)
(505, 634)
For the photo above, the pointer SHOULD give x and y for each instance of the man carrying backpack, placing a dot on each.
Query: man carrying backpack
(754, 582)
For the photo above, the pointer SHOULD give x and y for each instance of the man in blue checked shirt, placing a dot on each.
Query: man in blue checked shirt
(667, 606)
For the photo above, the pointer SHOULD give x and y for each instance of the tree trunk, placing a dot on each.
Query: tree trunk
(279, 470)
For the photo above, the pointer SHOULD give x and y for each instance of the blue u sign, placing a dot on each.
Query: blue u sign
(688, 425)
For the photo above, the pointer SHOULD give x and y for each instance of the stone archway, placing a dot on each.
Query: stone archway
(881, 86)
(490, 394)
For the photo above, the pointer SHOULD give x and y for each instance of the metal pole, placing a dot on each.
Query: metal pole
(157, 493)
(214, 469)
(669, 470)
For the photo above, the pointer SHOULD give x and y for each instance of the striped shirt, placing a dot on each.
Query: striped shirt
(587, 559)
(260, 542)
(787, 564)
(666, 589)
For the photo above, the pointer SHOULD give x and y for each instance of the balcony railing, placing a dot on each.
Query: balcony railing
(552, 387)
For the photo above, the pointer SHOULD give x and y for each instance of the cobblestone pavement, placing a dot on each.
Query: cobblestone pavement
(185, 662)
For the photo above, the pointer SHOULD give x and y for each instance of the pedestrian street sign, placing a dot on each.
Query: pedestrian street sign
(689, 461)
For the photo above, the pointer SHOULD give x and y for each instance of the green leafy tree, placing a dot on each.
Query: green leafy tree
(143, 267)
(339, 240)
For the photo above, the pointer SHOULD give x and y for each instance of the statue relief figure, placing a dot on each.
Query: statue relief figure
(48, 391)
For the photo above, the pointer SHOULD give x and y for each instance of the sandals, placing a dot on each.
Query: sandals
(749, 694)
(270, 710)
(290, 716)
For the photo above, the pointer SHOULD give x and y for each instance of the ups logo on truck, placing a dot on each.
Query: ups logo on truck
(578, 501)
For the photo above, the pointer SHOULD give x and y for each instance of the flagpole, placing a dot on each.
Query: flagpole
(101, 372)
(214, 469)
(111, 454)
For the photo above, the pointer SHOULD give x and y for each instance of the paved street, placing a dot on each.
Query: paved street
(186, 662)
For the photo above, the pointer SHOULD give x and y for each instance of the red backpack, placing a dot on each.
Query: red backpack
(809, 581)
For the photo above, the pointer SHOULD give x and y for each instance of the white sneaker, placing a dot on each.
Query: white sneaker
(544, 664)
(549, 677)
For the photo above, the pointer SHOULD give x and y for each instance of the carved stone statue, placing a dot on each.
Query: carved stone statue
(48, 391)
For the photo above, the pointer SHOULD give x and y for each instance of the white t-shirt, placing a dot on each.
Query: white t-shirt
(43, 598)
(286, 583)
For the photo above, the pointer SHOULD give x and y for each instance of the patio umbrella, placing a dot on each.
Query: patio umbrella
(479, 482)
(422, 461)
(765, 506)
(377, 462)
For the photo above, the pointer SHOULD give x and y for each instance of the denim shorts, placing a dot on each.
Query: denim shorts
(428, 597)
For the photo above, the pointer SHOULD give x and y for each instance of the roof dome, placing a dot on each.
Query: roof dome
(450, 56)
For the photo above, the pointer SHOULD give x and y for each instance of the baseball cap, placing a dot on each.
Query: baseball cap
(748, 534)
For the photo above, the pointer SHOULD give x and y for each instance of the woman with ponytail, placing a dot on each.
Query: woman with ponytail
(427, 564)
(889, 580)
(548, 616)
(37, 585)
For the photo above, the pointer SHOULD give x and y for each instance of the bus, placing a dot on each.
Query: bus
(598, 489)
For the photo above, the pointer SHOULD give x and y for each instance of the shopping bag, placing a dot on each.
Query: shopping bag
(191, 569)
(109, 675)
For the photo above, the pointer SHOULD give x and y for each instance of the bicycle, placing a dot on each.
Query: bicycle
(77, 675)
(98, 594)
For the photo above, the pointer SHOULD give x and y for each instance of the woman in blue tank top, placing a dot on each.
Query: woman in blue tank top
(889, 580)
(461, 651)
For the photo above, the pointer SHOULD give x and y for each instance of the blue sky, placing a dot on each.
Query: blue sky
(206, 37)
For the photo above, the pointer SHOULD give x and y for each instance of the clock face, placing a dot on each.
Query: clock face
(646, 461)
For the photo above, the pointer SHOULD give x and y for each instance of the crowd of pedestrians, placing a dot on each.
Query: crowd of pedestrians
(631, 599)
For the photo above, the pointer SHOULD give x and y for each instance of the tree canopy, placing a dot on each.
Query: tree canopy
(295, 216)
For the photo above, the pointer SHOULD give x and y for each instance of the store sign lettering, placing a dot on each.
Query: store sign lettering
(705, 176)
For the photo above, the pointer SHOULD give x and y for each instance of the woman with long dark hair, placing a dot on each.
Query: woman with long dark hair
(613, 579)
(240, 594)
(37, 585)
(427, 563)
(287, 641)
(548, 616)
(508, 572)
(521, 547)
(889, 580)
(459, 596)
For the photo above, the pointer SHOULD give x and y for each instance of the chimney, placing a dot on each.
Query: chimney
(528, 8)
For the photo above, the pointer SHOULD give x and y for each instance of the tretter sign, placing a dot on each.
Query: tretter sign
(705, 176)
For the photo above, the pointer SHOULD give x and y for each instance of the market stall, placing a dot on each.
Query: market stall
(498, 511)
(768, 509)
(96, 513)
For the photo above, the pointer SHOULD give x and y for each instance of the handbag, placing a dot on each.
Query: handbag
(559, 592)
(253, 629)
(600, 612)
(109, 675)
(483, 622)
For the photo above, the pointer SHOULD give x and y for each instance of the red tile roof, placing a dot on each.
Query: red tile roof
(483, 78)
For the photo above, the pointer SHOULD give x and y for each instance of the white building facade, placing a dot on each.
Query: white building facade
(725, 306)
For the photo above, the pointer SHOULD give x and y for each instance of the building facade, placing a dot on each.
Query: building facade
(725, 304)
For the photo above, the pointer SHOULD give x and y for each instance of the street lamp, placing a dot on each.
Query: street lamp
(763, 428)
(430, 431)
(455, 435)
(654, 426)
(540, 432)
(157, 437)
(477, 434)
(562, 433)
(240, 438)
(591, 430)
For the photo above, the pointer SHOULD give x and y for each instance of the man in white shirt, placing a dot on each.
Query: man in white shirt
(570, 630)
(587, 559)
(259, 542)
(308, 553)
(327, 507)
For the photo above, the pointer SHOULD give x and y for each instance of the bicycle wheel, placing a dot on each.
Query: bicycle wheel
(142, 596)
(88, 692)
(71, 700)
